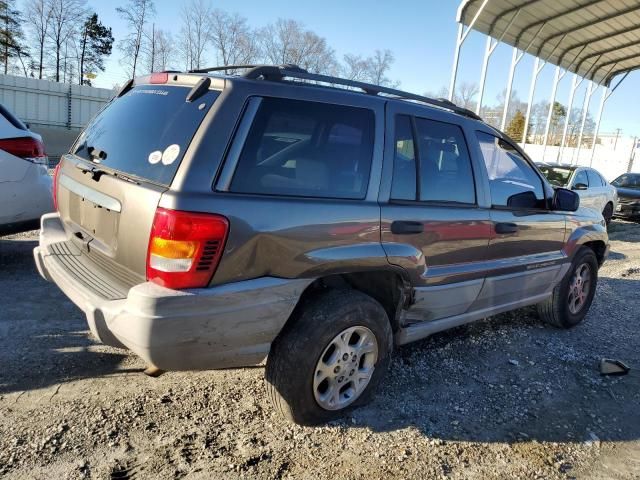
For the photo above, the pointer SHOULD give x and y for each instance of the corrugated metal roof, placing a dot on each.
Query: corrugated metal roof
(597, 39)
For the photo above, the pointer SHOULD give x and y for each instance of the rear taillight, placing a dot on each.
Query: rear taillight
(56, 172)
(27, 148)
(185, 248)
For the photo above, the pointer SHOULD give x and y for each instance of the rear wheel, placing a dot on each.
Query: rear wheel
(572, 297)
(330, 358)
(607, 213)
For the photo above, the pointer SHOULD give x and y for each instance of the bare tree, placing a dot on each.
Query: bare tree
(442, 93)
(354, 67)
(66, 16)
(287, 41)
(465, 95)
(164, 50)
(136, 14)
(371, 69)
(233, 40)
(377, 67)
(37, 17)
(159, 51)
(196, 31)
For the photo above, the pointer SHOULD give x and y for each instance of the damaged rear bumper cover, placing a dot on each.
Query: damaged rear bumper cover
(231, 325)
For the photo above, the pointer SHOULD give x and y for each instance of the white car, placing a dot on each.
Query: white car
(594, 191)
(25, 184)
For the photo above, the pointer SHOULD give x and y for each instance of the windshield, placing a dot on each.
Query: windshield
(628, 180)
(558, 176)
(145, 132)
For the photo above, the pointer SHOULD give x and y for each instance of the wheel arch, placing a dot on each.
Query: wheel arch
(593, 236)
(389, 287)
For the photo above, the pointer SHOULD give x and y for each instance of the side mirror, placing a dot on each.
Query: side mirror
(566, 200)
(580, 186)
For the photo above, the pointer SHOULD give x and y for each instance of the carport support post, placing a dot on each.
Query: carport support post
(462, 36)
(489, 49)
(456, 61)
(574, 87)
(605, 96)
(515, 58)
(537, 68)
(585, 112)
(483, 75)
(554, 92)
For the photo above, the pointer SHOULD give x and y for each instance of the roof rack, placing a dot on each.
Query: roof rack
(279, 72)
(221, 68)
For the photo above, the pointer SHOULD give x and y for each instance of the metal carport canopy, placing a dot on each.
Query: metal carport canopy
(596, 39)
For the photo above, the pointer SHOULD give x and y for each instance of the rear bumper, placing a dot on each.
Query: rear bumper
(227, 326)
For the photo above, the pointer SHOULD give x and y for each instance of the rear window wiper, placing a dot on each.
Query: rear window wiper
(96, 173)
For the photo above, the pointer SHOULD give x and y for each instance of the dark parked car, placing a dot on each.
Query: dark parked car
(209, 221)
(628, 186)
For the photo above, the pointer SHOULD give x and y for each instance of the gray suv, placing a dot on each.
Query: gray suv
(209, 221)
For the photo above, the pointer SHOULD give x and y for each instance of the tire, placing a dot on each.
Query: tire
(607, 213)
(558, 310)
(295, 384)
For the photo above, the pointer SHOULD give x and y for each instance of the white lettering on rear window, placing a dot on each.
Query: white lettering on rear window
(151, 92)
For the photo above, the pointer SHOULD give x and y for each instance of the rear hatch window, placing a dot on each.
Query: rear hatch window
(145, 132)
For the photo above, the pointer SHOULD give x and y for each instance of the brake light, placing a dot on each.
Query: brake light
(185, 248)
(159, 77)
(28, 148)
(54, 192)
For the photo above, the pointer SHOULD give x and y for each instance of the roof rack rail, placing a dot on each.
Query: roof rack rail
(279, 72)
(221, 68)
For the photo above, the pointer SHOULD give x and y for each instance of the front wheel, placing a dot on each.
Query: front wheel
(572, 297)
(330, 358)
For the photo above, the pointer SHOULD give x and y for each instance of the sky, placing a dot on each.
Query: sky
(420, 33)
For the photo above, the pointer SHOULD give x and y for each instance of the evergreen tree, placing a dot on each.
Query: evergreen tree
(11, 35)
(515, 129)
(95, 43)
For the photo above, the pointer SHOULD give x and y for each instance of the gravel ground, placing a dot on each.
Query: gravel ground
(505, 397)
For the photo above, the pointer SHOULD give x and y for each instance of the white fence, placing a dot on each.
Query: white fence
(42, 103)
(609, 160)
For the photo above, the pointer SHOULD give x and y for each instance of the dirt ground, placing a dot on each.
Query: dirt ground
(505, 397)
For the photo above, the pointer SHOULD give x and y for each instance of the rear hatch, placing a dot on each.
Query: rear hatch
(109, 185)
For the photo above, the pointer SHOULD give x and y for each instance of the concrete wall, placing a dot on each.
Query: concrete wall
(57, 111)
(42, 103)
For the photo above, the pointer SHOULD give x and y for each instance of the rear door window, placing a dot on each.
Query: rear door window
(594, 179)
(581, 177)
(308, 149)
(445, 165)
(145, 132)
(443, 168)
(403, 185)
